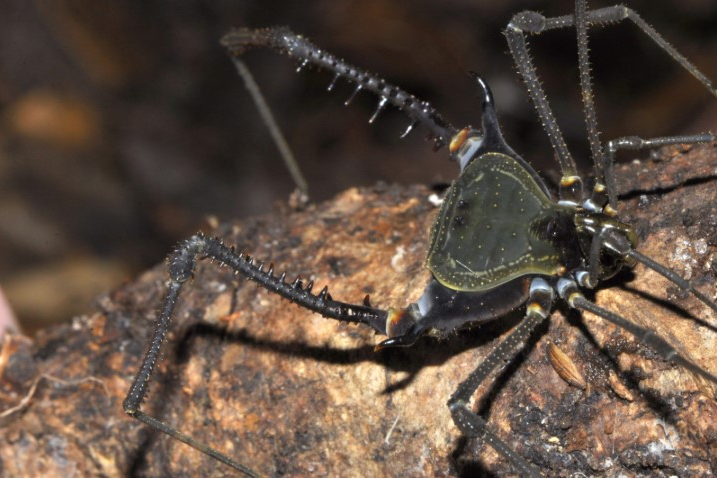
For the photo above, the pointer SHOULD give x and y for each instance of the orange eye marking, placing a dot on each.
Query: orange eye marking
(457, 140)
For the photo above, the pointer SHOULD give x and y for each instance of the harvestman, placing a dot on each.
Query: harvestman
(498, 241)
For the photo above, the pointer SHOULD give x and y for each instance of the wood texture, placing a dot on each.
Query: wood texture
(292, 394)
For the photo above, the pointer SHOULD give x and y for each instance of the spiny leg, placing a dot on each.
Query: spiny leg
(609, 240)
(672, 277)
(469, 422)
(635, 143)
(618, 13)
(569, 291)
(182, 263)
(138, 390)
(534, 23)
(599, 198)
(571, 190)
(616, 243)
(295, 46)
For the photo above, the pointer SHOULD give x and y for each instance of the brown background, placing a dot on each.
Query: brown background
(124, 125)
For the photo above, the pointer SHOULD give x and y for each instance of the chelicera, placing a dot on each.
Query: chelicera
(499, 241)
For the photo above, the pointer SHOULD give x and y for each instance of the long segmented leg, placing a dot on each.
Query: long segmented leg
(635, 143)
(533, 23)
(571, 190)
(569, 291)
(183, 260)
(295, 46)
(268, 118)
(538, 307)
(181, 267)
(469, 422)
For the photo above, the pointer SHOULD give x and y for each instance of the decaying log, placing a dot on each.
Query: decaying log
(292, 394)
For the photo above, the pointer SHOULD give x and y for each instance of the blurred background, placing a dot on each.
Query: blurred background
(123, 125)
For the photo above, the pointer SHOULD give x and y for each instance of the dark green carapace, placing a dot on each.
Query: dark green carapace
(500, 248)
(494, 226)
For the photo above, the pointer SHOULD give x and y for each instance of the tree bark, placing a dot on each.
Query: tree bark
(289, 393)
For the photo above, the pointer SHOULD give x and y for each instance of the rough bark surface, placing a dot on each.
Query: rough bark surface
(292, 394)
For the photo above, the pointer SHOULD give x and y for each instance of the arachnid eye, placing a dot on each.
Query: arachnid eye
(552, 229)
(501, 246)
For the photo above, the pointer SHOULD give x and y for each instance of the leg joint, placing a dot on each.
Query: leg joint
(183, 259)
(527, 22)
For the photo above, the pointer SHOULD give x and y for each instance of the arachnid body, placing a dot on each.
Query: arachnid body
(487, 258)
